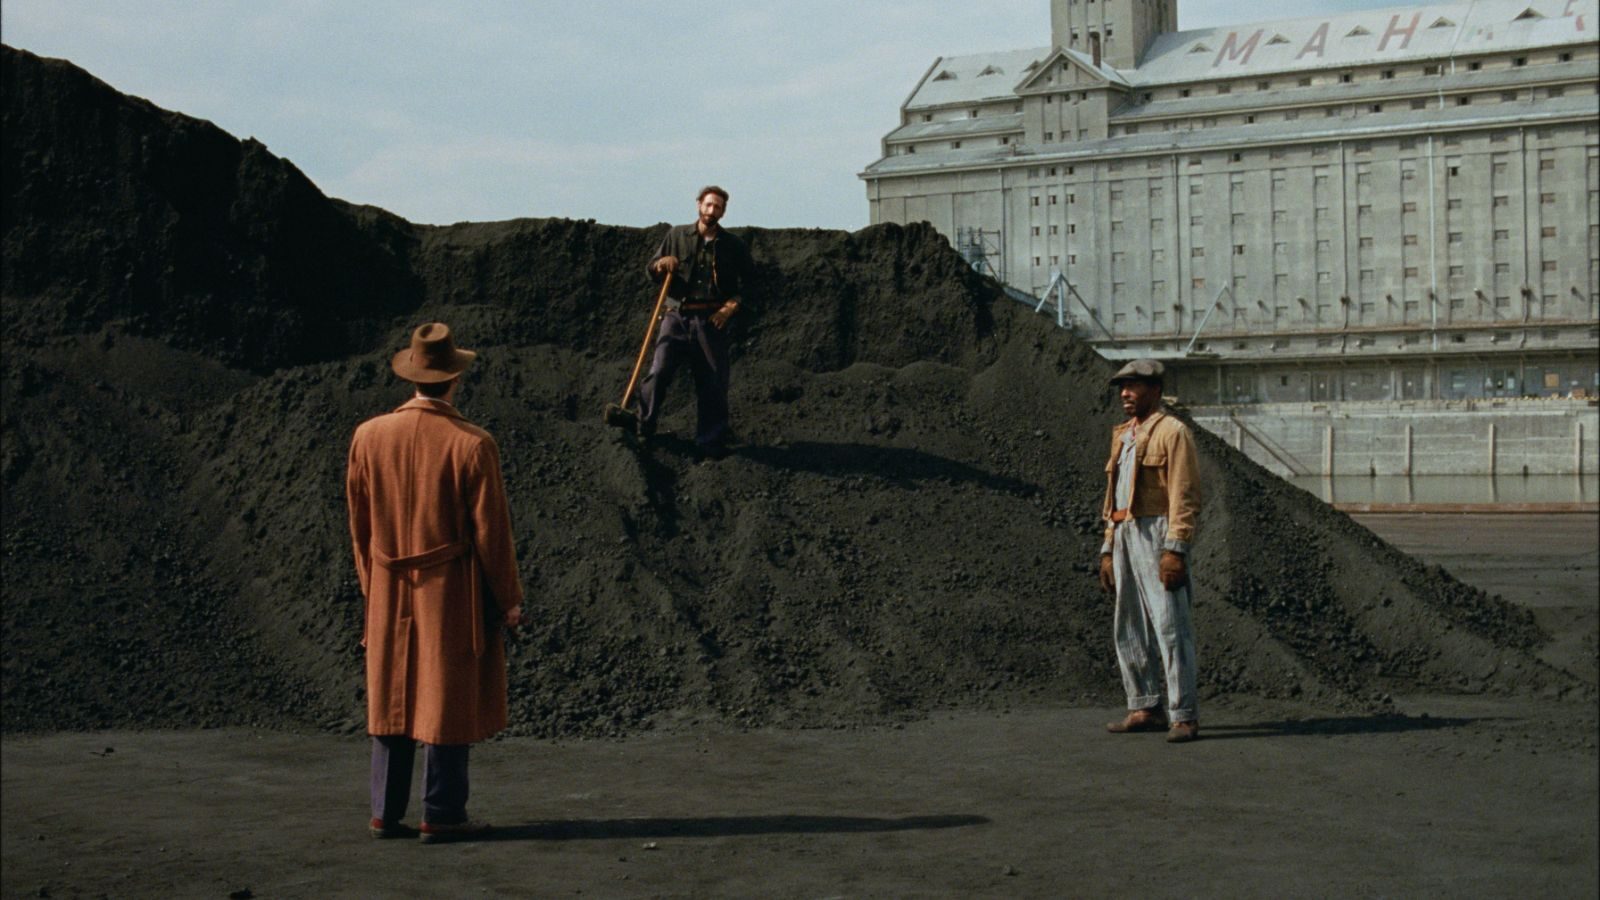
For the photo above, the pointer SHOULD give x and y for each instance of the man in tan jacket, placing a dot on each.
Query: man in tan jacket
(1151, 505)
(434, 554)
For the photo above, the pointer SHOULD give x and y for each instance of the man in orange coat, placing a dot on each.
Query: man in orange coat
(434, 553)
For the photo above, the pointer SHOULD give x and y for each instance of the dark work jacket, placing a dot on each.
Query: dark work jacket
(731, 266)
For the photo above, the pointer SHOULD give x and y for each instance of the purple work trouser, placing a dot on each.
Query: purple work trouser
(706, 347)
(444, 779)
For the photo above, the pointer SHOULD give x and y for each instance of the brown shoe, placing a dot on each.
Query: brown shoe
(1139, 720)
(1183, 732)
(435, 833)
(383, 831)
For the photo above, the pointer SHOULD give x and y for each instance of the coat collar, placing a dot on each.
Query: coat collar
(1149, 424)
(428, 404)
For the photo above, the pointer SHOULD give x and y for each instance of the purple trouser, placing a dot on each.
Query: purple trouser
(691, 337)
(444, 779)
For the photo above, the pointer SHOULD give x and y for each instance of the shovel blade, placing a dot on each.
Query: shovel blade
(618, 417)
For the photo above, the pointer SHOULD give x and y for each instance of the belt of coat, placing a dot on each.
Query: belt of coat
(438, 556)
(427, 559)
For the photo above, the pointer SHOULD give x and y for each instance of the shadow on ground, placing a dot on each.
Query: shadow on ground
(720, 826)
(1335, 726)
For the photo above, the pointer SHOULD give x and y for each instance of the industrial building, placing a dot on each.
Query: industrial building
(1381, 206)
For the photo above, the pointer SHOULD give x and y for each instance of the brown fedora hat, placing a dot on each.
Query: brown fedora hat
(432, 357)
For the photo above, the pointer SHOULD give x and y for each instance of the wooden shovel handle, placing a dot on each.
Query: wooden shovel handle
(644, 347)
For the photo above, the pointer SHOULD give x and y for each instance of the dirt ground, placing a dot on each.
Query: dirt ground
(1452, 796)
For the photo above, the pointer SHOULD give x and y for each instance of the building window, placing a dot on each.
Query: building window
(1238, 249)
(1548, 265)
(1519, 62)
(1408, 206)
(955, 145)
(1387, 74)
(1036, 230)
(1197, 251)
(1547, 231)
(1419, 103)
(1502, 234)
(1409, 240)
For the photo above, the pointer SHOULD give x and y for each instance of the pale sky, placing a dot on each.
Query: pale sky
(608, 110)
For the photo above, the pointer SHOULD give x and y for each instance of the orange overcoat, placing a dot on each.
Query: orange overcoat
(438, 568)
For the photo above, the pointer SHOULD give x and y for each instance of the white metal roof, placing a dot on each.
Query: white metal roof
(975, 77)
(1399, 34)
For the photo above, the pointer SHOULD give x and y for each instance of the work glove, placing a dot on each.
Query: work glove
(666, 264)
(1174, 572)
(1107, 582)
(720, 317)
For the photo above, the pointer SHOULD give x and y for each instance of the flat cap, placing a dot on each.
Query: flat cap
(1140, 370)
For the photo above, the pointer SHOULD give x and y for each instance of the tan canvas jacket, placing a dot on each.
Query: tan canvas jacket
(1167, 481)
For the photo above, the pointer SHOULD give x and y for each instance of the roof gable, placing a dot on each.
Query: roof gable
(1068, 69)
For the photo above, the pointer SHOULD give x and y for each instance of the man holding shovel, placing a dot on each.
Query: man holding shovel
(1151, 506)
(707, 271)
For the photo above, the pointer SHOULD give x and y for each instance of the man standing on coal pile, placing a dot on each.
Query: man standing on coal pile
(434, 554)
(1151, 505)
(709, 271)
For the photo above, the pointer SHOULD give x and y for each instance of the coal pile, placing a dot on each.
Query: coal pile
(192, 332)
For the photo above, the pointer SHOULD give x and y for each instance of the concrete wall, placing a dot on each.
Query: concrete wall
(1505, 437)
